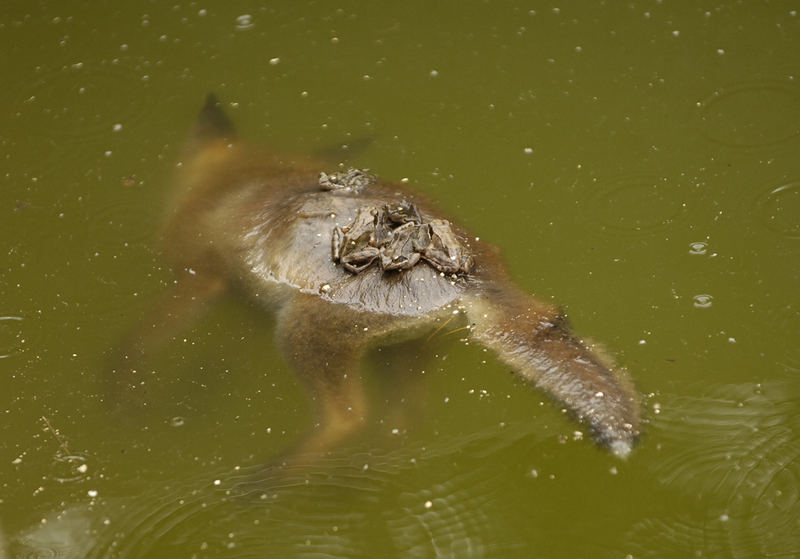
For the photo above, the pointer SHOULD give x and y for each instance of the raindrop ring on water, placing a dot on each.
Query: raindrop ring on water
(703, 301)
(698, 248)
(11, 337)
(752, 114)
(636, 205)
(778, 209)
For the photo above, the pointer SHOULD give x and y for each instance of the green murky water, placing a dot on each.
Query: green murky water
(637, 163)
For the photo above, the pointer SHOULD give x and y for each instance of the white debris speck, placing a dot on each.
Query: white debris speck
(732, 340)
(642, 342)
(83, 468)
(528, 150)
(92, 493)
(598, 394)
(428, 504)
(656, 408)
(724, 517)
(434, 73)
(217, 482)
(117, 127)
(613, 470)
(720, 51)
(274, 61)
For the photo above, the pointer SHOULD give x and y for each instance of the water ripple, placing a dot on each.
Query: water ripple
(12, 336)
(333, 509)
(738, 452)
(778, 209)
(75, 104)
(636, 205)
(752, 114)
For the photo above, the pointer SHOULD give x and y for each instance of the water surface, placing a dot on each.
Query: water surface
(637, 163)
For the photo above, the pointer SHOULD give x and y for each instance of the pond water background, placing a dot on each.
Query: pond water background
(637, 162)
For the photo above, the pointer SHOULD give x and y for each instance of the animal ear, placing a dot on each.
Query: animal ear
(212, 123)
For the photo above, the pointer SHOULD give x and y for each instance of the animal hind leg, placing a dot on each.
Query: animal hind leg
(187, 298)
(324, 343)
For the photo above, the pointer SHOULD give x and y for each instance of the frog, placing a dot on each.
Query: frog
(401, 213)
(444, 251)
(402, 251)
(349, 181)
(354, 245)
(390, 217)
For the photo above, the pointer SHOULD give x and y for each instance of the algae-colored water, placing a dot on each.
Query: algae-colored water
(637, 162)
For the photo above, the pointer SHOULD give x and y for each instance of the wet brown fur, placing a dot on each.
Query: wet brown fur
(256, 220)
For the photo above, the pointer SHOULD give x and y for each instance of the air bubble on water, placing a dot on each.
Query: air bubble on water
(244, 21)
(698, 248)
(702, 301)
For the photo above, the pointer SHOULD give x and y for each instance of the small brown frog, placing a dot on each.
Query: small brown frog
(444, 251)
(402, 252)
(350, 181)
(402, 213)
(354, 244)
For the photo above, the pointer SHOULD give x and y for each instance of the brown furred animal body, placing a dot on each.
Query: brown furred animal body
(259, 221)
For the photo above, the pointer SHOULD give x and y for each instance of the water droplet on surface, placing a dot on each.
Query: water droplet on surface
(702, 301)
(244, 21)
(698, 248)
(68, 469)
